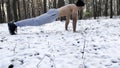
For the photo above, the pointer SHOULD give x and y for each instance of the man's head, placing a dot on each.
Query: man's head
(80, 3)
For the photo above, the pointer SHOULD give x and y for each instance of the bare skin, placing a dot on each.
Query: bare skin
(67, 11)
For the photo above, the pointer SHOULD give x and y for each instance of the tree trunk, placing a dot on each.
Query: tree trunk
(18, 8)
(24, 9)
(80, 14)
(54, 4)
(106, 8)
(99, 7)
(45, 6)
(0, 13)
(40, 7)
(111, 9)
(60, 4)
(9, 15)
(94, 9)
(71, 1)
(33, 8)
(15, 10)
(118, 7)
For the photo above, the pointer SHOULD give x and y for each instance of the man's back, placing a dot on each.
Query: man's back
(67, 10)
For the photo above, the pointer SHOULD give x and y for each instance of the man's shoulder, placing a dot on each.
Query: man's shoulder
(72, 5)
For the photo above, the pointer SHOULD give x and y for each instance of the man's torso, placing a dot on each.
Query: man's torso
(67, 10)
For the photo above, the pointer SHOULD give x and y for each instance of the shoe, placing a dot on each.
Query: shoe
(12, 28)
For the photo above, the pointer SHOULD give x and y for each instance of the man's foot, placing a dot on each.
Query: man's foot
(12, 28)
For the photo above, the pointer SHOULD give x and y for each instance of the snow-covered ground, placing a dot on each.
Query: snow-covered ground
(96, 44)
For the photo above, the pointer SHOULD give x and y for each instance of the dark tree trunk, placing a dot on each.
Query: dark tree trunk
(45, 6)
(60, 4)
(54, 4)
(106, 8)
(15, 10)
(19, 13)
(9, 14)
(111, 9)
(99, 10)
(80, 14)
(24, 9)
(0, 13)
(118, 7)
(71, 1)
(94, 9)
(33, 8)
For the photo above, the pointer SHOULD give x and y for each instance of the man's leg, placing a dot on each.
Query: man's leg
(48, 17)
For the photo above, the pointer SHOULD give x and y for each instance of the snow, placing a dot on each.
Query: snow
(96, 44)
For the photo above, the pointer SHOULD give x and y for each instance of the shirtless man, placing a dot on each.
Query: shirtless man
(50, 16)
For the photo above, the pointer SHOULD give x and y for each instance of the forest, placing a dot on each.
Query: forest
(15, 10)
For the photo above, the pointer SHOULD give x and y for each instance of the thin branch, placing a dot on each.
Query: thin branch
(41, 59)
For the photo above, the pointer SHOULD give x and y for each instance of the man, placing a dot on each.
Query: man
(50, 16)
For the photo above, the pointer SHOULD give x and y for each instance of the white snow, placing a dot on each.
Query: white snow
(96, 44)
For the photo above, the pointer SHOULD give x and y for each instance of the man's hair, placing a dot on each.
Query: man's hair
(80, 3)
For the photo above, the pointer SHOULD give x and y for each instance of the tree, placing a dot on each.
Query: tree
(0, 13)
(9, 14)
(54, 4)
(24, 9)
(106, 8)
(99, 8)
(71, 1)
(18, 8)
(60, 4)
(40, 8)
(118, 7)
(45, 6)
(94, 9)
(111, 9)
(15, 10)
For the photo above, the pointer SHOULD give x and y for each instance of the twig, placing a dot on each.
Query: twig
(14, 48)
(49, 56)
(84, 46)
(52, 62)
(41, 59)
(83, 52)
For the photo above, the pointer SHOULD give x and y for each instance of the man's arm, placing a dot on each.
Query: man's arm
(67, 22)
(74, 16)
